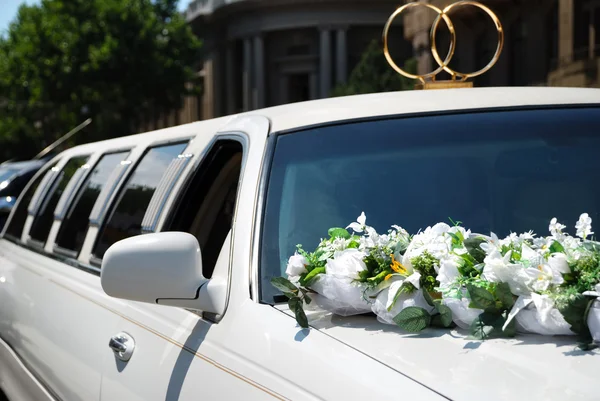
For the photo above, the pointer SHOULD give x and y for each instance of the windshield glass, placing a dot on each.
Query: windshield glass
(501, 172)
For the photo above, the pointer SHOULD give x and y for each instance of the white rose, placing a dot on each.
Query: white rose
(296, 265)
(346, 264)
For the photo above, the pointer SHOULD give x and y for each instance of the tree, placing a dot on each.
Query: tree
(112, 60)
(373, 74)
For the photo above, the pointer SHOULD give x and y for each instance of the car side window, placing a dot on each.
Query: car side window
(45, 214)
(17, 222)
(207, 205)
(74, 227)
(126, 215)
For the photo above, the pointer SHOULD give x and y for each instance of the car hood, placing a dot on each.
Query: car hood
(528, 367)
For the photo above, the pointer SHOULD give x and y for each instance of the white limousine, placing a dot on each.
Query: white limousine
(140, 268)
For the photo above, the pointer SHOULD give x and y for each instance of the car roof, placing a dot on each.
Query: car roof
(304, 114)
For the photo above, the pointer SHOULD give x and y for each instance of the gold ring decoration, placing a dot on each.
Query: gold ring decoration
(386, 50)
(458, 78)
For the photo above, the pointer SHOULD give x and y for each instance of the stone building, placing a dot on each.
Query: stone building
(261, 53)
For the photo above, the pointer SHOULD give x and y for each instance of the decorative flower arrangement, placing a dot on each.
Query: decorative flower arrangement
(447, 275)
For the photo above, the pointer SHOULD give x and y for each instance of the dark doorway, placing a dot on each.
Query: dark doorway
(298, 87)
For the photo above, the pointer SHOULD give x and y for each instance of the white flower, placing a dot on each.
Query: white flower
(584, 226)
(543, 276)
(414, 279)
(491, 245)
(448, 272)
(433, 240)
(558, 262)
(337, 244)
(528, 236)
(556, 228)
(512, 239)
(346, 264)
(541, 273)
(296, 265)
(543, 244)
(360, 224)
(499, 269)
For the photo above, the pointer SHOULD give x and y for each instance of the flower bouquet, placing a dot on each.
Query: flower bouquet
(446, 276)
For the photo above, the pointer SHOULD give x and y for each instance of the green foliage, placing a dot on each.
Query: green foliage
(575, 311)
(312, 275)
(115, 61)
(425, 264)
(296, 297)
(339, 233)
(413, 319)
(373, 74)
(489, 325)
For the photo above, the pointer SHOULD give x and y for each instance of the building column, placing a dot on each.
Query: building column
(565, 30)
(247, 74)
(341, 59)
(259, 72)
(230, 78)
(325, 63)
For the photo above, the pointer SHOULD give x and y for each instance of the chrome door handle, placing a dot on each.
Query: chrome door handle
(122, 345)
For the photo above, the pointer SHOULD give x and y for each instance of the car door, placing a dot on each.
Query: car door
(55, 323)
(178, 354)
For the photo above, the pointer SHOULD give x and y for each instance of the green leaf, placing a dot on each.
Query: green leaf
(489, 325)
(574, 312)
(284, 285)
(445, 314)
(290, 295)
(312, 275)
(480, 297)
(505, 296)
(339, 233)
(556, 247)
(295, 305)
(307, 299)
(473, 246)
(486, 325)
(413, 319)
(428, 298)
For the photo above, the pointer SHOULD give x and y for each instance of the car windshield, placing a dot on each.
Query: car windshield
(494, 171)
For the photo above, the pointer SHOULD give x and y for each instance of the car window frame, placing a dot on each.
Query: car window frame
(52, 163)
(75, 197)
(50, 191)
(138, 153)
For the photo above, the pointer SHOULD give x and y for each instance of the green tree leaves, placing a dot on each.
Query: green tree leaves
(373, 74)
(115, 61)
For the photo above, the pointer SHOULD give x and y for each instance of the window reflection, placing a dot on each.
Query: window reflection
(74, 227)
(126, 217)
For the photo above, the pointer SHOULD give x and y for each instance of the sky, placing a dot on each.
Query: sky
(9, 8)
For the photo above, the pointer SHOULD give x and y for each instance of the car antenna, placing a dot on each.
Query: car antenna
(69, 134)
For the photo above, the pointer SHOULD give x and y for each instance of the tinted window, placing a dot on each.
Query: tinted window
(74, 227)
(15, 228)
(45, 215)
(494, 171)
(125, 219)
(206, 210)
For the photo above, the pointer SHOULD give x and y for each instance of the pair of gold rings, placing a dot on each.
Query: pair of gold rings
(443, 64)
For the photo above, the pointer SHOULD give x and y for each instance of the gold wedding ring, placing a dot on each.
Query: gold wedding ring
(443, 64)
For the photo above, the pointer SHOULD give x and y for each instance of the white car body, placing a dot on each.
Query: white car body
(56, 320)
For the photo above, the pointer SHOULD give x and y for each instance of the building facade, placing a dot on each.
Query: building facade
(260, 53)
